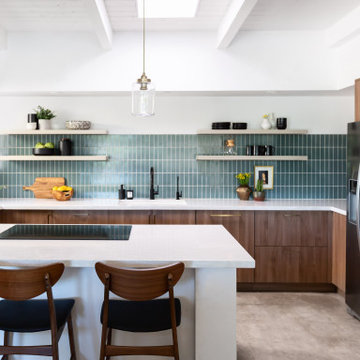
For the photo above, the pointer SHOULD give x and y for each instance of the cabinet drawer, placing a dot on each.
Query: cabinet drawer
(173, 217)
(292, 228)
(25, 216)
(79, 217)
(291, 264)
(240, 225)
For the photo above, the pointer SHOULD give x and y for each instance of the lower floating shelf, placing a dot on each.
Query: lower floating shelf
(245, 157)
(53, 158)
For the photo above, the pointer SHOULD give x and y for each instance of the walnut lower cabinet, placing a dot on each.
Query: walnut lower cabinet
(240, 224)
(339, 251)
(293, 247)
(25, 216)
(123, 217)
(173, 217)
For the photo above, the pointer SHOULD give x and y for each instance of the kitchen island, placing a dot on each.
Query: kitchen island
(207, 289)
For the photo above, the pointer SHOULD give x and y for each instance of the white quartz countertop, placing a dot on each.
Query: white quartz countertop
(338, 206)
(205, 246)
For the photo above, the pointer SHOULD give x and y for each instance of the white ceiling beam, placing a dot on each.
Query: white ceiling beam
(234, 18)
(345, 29)
(101, 22)
(3, 39)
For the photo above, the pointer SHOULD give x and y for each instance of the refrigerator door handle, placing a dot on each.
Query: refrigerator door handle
(358, 207)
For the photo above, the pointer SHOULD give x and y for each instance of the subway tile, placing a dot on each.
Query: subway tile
(131, 156)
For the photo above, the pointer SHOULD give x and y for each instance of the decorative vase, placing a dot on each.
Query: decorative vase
(272, 120)
(243, 192)
(259, 195)
(266, 124)
(44, 124)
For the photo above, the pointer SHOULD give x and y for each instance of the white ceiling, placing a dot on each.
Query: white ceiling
(28, 15)
(297, 14)
(70, 15)
(227, 17)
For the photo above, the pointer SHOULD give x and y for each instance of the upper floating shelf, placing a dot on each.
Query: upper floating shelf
(247, 158)
(53, 132)
(252, 131)
(53, 158)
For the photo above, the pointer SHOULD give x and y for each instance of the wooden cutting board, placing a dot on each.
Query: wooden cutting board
(42, 187)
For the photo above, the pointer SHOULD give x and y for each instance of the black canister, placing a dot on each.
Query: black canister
(269, 150)
(65, 147)
(281, 123)
(32, 118)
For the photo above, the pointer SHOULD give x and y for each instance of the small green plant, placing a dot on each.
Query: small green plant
(243, 178)
(45, 114)
(259, 186)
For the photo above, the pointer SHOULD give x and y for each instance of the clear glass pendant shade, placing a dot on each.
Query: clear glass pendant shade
(143, 100)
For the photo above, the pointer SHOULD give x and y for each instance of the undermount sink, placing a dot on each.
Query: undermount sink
(154, 203)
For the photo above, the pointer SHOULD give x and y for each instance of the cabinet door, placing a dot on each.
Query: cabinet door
(240, 224)
(282, 228)
(285, 264)
(79, 217)
(339, 251)
(100, 217)
(129, 217)
(174, 217)
(25, 216)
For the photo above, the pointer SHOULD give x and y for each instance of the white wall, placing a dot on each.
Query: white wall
(347, 62)
(185, 114)
(187, 61)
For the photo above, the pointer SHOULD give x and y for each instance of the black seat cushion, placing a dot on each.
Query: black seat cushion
(142, 316)
(32, 315)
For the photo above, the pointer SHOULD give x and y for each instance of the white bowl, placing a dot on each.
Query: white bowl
(78, 125)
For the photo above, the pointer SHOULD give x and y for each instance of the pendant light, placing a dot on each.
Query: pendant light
(143, 90)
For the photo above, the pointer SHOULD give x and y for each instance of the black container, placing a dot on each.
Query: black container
(221, 125)
(269, 150)
(259, 150)
(65, 147)
(239, 126)
(43, 151)
(250, 150)
(32, 118)
(281, 123)
(122, 195)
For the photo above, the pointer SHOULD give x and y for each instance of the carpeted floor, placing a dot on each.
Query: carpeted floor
(301, 326)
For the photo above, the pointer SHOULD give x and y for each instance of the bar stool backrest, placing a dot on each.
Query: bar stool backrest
(24, 284)
(140, 284)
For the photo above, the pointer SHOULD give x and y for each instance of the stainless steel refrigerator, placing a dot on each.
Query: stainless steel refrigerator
(353, 221)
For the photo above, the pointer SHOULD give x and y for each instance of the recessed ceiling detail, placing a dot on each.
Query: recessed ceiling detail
(167, 9)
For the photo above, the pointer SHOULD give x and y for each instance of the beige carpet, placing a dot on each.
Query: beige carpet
(291, 326)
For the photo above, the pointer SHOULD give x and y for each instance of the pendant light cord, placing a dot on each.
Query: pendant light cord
(144, 36)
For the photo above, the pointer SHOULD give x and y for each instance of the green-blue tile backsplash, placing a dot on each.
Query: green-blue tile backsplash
(323, 176)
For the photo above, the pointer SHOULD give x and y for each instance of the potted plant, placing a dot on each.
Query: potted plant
(44, 116)
(259, 193)
(243, 190)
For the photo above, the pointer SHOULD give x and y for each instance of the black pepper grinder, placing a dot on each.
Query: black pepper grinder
(65, 147)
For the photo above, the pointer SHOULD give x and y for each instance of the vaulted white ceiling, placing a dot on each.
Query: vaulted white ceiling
(227, 17)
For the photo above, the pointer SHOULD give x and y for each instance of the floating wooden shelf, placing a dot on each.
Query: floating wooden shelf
(53, 158)
(252, 131)
(54, 132)
(240, 157)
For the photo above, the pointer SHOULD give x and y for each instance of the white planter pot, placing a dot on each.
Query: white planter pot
(44, 124)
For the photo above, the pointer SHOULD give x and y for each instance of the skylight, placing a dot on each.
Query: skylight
(168, 8)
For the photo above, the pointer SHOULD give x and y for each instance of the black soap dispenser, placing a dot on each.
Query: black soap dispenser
(122, 193)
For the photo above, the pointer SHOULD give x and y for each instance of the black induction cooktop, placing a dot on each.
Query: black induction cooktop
(67, 232)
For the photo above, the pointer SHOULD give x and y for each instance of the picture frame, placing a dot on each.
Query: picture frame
(267, 174)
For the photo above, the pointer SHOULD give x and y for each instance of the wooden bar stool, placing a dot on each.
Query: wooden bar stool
(19, 314)
(139, 312)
